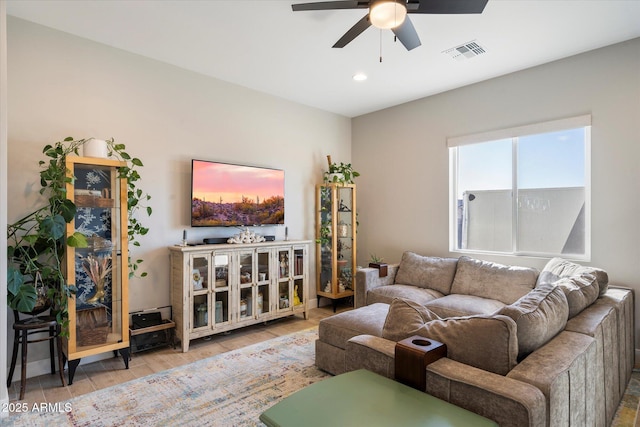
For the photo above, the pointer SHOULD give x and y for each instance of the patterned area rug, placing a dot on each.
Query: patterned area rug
(231, 389)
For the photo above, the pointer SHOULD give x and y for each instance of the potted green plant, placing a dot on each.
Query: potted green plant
(378, 262)
(341, 173)
(37, 241)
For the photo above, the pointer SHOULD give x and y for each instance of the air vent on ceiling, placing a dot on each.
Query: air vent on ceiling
(465, 51)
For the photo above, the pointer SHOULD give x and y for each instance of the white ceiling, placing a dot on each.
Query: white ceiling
(265, 46)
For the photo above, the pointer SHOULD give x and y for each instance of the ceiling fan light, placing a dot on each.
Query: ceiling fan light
(387, 14)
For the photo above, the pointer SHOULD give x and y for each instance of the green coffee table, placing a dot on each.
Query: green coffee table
(362, 398)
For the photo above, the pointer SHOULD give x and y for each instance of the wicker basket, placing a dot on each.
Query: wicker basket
(92, 326)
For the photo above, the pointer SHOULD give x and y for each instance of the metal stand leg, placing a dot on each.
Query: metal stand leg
(23, 376)
(14, 357)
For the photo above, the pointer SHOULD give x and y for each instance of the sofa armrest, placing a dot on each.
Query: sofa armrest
(372, 353)
(368, 278)
(507, 401)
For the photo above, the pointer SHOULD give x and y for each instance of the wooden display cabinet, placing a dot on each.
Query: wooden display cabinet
(98, 313)
(336, 241)
(221, 287)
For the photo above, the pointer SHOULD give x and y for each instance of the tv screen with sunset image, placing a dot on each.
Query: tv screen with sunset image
(224, 194)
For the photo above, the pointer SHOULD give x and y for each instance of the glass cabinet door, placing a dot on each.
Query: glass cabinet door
(200, 311)
(98, 314)
(283, 264)
(200, 291)
(325, 237)
(284, 279)
(345, 239)
(221, 270)
(200, 272)
(245, 267)
(221, 289)
(265, 273)
(298, 277)
(246, 282)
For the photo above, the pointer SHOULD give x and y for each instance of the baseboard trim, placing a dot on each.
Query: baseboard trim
(5, 403)
(42, 367)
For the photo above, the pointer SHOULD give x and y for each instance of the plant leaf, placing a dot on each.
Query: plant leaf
(77, 240)
(67, 210)
(53, 226)
(15, 279)
(25, 299)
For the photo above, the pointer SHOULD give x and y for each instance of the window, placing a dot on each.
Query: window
(523, 191)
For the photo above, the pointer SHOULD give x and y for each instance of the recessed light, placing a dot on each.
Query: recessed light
(360, 77)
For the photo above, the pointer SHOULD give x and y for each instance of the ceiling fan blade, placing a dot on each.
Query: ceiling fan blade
(446, 6)
(354, 32)
(329, 5)
(407, 34)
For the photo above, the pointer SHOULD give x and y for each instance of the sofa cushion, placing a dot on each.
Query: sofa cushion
(540, 315)
(492, 280)
(426, 272)
(463, 305)
(580, 284)
(558, 268)
(581, 291)
(386, 294)
(486, 342)
(404, 319)
(340, 328)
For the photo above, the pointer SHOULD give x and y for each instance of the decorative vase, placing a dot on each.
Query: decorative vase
(95, 148)
(343, 229)
(99, 295)
(336, 177)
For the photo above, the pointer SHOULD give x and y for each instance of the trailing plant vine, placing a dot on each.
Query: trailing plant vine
(37, 241)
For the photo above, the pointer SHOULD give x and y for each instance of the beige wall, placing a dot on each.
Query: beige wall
(61, 85)
(406, 206)
(4, 396)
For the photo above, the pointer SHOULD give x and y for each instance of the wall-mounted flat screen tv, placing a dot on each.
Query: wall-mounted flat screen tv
(224, 194)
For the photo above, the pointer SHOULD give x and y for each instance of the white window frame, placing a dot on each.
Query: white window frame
(583, 121)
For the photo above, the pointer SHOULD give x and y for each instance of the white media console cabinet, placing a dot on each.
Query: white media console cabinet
(219, 287)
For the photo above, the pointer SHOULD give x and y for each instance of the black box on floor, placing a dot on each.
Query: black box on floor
(149, 340)
(144, 319)
(148, 329)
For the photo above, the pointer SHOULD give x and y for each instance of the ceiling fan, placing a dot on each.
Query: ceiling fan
(392, 14)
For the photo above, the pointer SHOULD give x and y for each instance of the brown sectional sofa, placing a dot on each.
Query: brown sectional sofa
(554, 348)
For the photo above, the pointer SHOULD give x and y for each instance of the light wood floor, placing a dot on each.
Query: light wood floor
(105, 373)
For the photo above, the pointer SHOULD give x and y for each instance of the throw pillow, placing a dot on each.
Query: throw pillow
(539, 315)
(485, 342)
(404, 319)
(558, 268)
(582, 285)
(491, 280)
(581, 291)
(426, 272)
